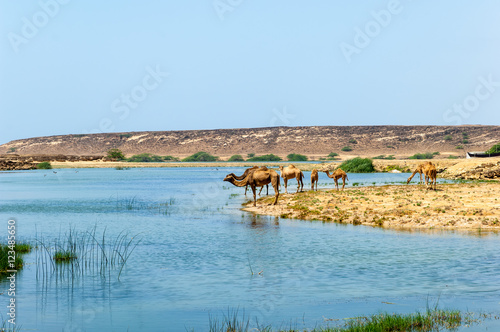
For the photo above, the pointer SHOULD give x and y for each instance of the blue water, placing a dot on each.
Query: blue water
(197, 252)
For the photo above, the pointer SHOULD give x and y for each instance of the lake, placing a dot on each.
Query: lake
(196, 256)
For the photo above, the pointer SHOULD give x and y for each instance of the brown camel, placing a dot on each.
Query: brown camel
(248, 170)
(314, 179)
(258, 178)
(419, 169)
(291, 172)
(336, 175)
(430, 173)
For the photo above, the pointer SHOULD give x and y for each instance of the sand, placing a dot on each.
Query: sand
(473, 205)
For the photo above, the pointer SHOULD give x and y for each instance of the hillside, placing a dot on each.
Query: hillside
(315, 142)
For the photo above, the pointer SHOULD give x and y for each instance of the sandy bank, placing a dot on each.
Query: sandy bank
(451, 206)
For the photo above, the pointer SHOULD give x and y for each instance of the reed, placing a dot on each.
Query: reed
(84, 252)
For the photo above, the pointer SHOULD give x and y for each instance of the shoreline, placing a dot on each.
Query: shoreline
(460, 206)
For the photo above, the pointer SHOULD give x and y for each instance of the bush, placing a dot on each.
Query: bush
(427, 155)
(267, 157)
(448, 138)
(170, 158)
(494, 149)
(236, 157)
(383, 156)
(145, 158)
(296, 157)
(353, 141)
(250, 155)
(333, 155)
(459, 147)
(116, 154)
(358, 165)
(44, 165)
(346, 148)
(201, 156)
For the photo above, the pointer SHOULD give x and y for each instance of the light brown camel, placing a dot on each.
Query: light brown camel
(314, 179)
(336, 175)
(430, 173)
(291, 172)
(248, 170)
(258, 178)
(419, 169)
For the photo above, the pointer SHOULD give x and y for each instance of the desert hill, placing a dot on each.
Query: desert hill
(314, 142)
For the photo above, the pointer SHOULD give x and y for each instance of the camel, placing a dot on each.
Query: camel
(336, 175)
(258, 178)
(248, 170)
(291, 172)
(419, 169)
(314, 179)
(430, 174)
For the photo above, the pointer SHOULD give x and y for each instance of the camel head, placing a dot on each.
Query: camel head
(281, 168)
(229, 177)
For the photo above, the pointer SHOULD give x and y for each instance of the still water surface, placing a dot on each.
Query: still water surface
(197, 252)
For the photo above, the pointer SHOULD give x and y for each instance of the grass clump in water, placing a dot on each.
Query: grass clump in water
(64, 256)
(434, 320)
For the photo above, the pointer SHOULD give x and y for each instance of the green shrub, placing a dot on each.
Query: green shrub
(448, 138)
(353, 141)
(116, 154)
(267, 157)
(383, 156)
(494, 149)
(145, 158)
(358, 165)
(12, 149)
(236, 157)
(346, 148)
(250, 155)
(170, 158)
(459, 147)
(200, 156)
(44, 165)
(333, 155)
(452, 157)
(296, 157)
(427, 155)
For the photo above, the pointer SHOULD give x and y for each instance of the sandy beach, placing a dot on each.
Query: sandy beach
(473, 205)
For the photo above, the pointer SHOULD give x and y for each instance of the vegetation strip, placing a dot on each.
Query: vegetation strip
(431, 320)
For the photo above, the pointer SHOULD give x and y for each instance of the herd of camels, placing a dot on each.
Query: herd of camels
(263, 176)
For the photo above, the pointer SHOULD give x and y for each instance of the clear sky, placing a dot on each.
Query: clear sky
(74, 67)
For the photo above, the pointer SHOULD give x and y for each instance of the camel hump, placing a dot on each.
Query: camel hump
(292, 166)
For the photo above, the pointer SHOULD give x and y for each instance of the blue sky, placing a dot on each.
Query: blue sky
(74, 67)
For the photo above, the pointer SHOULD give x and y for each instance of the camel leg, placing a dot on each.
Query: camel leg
(336, 184)
(261, 190)
(285, 180)
(246, 187)
(343, 183)
(276, 191)
(254, 196)
(298, 182)
(267, 190)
